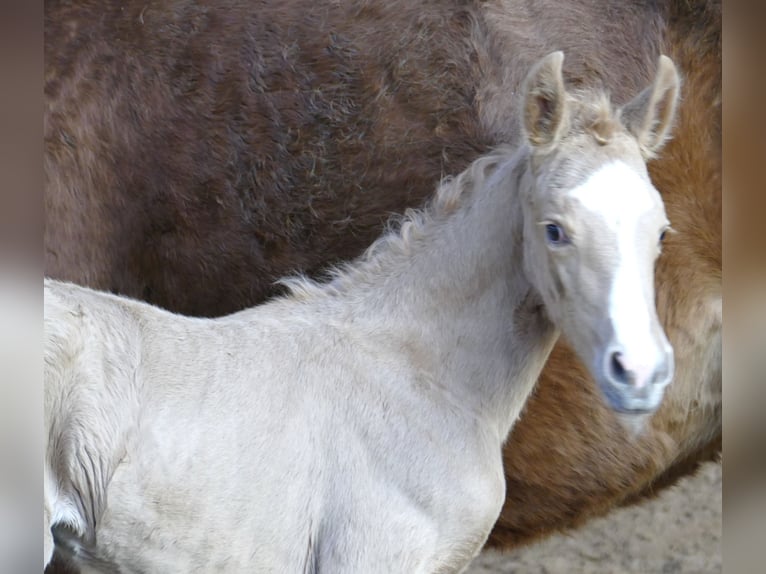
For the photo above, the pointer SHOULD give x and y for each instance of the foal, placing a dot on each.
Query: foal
(357, 425)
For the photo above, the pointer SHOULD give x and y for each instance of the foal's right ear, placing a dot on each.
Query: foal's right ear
(545, 101)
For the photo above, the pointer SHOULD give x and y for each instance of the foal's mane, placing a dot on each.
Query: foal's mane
(590, 112)
(402, 231)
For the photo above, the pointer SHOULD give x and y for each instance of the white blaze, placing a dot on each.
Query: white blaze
(622, 196)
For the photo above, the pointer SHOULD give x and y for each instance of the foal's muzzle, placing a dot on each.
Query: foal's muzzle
(634, 383)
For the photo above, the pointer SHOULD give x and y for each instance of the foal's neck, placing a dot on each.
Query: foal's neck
(449, 288)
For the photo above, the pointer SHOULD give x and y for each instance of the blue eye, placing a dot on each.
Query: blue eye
(662, 236)
(555, 234)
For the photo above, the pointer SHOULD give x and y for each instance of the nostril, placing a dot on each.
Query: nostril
(618, 371)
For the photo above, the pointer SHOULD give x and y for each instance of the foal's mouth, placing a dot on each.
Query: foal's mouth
(622, 402)
(626, 411)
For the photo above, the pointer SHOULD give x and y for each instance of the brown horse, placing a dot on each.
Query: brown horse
(195, 152)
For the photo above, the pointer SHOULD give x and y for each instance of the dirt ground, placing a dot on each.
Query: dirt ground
(679, 532)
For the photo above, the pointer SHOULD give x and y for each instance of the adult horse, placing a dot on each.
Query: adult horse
(195, 153)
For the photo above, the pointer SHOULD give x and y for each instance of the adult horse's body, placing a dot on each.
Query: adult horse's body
(357, 426)
(195, 154)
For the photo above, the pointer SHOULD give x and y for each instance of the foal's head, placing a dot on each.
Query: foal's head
(594, 224)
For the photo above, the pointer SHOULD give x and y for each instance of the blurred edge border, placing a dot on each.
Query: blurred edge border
(21, 225)
(744, 347)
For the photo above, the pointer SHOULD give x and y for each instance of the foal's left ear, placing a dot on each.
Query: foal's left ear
(649, 116)
(545, 101)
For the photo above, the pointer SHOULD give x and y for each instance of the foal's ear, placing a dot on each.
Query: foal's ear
(545, 101)
(649, 116)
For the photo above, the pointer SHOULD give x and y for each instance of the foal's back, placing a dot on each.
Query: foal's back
(194, 437)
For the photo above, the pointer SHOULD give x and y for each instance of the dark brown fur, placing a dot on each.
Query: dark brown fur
(195, 154)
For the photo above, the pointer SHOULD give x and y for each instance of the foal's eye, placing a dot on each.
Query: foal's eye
(555, 234)
(663, 234)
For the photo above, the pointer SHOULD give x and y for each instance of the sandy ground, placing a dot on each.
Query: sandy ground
(679, 532)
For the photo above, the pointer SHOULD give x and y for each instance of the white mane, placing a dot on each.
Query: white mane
(403, 232)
